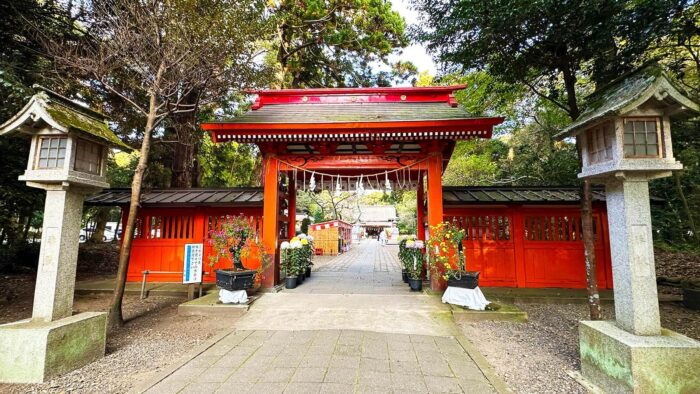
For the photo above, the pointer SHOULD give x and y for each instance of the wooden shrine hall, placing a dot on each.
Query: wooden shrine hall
(350, 139)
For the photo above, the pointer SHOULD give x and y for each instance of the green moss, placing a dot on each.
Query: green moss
(77, 121)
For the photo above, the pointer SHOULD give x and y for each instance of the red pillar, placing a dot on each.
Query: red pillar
(292, 207)
(435, 212)
(420, 210)
(271, 217)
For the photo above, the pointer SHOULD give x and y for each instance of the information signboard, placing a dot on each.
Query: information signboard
(192, 270)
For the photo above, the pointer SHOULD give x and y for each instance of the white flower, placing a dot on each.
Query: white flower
(285, 245)
(419, 245)
(295, 245)
(301, 236)
(310, 238)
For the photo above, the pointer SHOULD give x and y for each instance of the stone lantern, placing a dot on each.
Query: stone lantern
(625, 140)
(69, 146)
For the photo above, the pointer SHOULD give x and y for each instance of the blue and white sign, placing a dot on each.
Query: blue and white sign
(192, 271)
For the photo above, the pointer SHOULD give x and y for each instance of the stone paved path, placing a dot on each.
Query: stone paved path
(354, 327)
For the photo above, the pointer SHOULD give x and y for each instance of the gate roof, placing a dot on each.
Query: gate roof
(354, 115)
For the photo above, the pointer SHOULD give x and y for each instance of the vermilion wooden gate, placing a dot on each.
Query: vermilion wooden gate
(161, 234)
(531, 247)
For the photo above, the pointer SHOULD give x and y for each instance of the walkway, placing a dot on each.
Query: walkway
(354, 327)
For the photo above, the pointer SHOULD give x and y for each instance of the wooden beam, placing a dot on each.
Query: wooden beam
(270, 218)
(292, 207)
(435, 209)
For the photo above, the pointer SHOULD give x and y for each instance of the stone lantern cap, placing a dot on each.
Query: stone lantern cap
(628, 93)
(47, 108)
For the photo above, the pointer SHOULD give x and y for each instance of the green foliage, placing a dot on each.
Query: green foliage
(545, 44)
(411, 256)
(336, 43)
(228, 164)
(305, 225)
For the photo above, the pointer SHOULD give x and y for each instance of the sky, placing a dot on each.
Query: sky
(415, 53)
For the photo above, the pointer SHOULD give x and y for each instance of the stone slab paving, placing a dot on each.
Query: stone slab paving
(353, 327)
(328, 361)
(368, 268)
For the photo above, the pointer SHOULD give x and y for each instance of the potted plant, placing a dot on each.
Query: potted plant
(295, 258)
(414, 263)
(235, 240)
(288, 264)
(404, 257)
(447, 256)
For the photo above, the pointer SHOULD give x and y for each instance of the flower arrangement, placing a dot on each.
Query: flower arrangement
(411, 256)
(297, 254)
(445, 250)
(235, 239)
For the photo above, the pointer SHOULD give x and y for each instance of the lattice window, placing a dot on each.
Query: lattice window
(52, 152)
(485, 227)
(88, 157)
(164, 227)
(600, 144)
(642, 137)
(558, 228)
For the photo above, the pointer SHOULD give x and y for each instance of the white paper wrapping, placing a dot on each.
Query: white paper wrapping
(233, 297)
(468, 298)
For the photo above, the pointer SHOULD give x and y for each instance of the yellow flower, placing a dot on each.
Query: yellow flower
(294, 239)
(304, 241)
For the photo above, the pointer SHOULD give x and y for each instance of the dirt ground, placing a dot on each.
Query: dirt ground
(153, 337)
(534, 357)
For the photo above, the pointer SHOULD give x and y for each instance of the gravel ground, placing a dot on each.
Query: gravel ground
(534, 357)
(153, 337)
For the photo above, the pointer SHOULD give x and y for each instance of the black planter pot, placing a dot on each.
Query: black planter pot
(404, 276)
(467, 280)
(291, 282)
(308, 272)
(300, 278)
(232, 280)
(416, 284)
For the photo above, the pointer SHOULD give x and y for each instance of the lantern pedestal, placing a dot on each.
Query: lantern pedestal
(33, 351)
(620, 362)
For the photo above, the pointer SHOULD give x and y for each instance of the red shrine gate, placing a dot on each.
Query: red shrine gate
(517, 237)
(350, 136)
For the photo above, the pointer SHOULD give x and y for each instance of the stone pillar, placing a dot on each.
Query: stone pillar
(58, 258)
(634, 276)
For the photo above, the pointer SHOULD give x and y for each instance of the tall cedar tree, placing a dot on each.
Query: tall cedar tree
(549, 46)
(153, 55)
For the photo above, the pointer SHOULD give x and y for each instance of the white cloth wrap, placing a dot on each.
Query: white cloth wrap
(233, 297)
(468, 298)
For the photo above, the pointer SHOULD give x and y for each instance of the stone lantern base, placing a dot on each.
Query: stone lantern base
(620, 362)
(34, 351)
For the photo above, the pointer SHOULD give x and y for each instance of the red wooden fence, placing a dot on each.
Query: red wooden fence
(161, 234)
(531, 247)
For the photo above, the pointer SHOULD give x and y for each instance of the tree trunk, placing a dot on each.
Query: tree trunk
(589, 243)
(684, 202)
(115, 311)
(101, 219)
(185, 149)
(589, 250)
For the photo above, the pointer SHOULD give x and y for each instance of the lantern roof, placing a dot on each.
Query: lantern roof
(354, 114)
(629, 92)
(62, 114)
